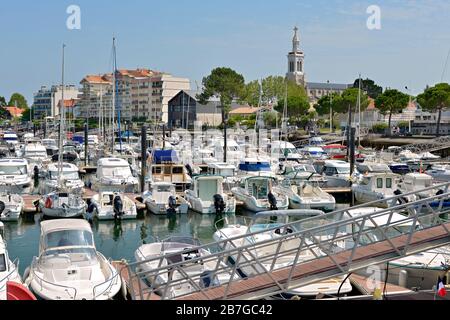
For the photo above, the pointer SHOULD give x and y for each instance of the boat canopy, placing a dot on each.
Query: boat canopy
(254, 166)
(165, 156)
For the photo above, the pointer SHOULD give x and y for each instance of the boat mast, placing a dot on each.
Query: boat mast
(359, 112)
(119, 107)
(113, 97)
(61, 119)
(285, 119)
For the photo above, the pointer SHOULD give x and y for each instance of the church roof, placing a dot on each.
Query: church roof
(328, 86)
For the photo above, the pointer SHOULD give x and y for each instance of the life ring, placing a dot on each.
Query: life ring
(48, 203)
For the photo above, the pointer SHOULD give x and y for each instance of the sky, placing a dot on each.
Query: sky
(190, 38)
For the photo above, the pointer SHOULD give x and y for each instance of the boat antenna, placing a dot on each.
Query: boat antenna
(445, 66)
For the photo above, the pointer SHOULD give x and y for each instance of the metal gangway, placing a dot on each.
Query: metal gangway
(422, 147)
(299, 253)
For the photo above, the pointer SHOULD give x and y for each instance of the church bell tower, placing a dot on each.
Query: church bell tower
(296, 60)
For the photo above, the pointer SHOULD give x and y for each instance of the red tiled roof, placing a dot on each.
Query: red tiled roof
(244, 110)
(99, 79)
(15, 111)
(69, 103)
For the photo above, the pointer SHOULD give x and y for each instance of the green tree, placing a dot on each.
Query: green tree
(2, 101)
(435, 99)
(18, 99)
(390, 102)
(26, 116)
(297, 102)
(370, 87)
(251, 93)
(274, 89)
(226, 84)
(348, 101)
(271, 118)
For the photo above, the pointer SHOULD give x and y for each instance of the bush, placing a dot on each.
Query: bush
(380, 127)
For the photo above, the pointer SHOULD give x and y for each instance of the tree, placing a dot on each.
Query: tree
(226, 84)
(273, 91)
(348, 101)
(251, 93)
(26, 116)
(2, 101)
(297, 102)
(390, 102)
(435, 99)
(18, 99)
(370, 87)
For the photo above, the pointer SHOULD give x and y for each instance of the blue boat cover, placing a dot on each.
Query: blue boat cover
(165, 156)
(255, 166)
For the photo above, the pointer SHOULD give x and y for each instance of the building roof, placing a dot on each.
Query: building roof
(69, 103)
(98, 79)
(244, 111)
(138, 73)
(15, 111)
(327, 86)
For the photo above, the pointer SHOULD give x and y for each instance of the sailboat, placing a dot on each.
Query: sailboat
(62, 203)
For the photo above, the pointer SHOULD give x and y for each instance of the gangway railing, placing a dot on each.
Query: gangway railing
(429, 146)
(284, 258)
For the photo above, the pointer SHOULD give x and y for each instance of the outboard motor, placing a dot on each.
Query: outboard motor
(189, 169)
(208, 280)
(440, 192)
(219, 204)
(118, 207)
(401, 200)
(172, 205)
(272, 201)
(36, 176)
(90, 209)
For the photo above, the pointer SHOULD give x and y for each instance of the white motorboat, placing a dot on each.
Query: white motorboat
(440, 172)
(263, 221)
(284, 151)
(337, 173)
(11, 207)
(8, 269)
(114, 174)
(69, 267)
(299, 173)
(417, 182)
(70, 178)
(378, 186)
(261, 193)
(51, 146)
(36, 154)
(161, 197)
(310, 196)
(62, 205)
(15, 176)
(172, 251)
(206, 196)
(109, 205)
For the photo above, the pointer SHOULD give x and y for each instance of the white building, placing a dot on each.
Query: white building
(141, 94)
(47, 100)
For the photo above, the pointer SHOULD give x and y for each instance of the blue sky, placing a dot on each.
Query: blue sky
(189, 38)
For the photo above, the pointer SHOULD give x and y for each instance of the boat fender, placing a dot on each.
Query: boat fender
(48, 203)
(2, 207)
(26, 274)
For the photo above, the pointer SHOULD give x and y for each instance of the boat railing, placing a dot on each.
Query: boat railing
(5, 279)
(110, 281)
(278, 261)
(41, 281)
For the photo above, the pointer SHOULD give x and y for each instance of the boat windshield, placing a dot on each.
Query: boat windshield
(343, 170)
(164, 188)
(34, 154)
(116, 171)
(13, 170)
(67, 175)
(68, 238)
(2, 263)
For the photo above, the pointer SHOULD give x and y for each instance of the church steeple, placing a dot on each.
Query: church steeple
(296, 61)
(296, 41)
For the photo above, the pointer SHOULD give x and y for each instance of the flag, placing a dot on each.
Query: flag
(441, 288)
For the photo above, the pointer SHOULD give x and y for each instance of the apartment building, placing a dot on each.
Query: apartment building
(141, 94)
(47, 101)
